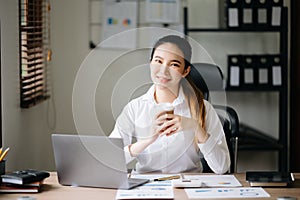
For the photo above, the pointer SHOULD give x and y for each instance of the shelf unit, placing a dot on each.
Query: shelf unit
(251, 138)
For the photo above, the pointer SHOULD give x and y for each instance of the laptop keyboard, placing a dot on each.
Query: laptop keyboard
(134, 181)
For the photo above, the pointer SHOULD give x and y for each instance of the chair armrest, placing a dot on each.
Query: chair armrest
(231, 124)
(232, 117)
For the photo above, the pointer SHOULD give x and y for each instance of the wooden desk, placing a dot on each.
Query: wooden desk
(52, 190)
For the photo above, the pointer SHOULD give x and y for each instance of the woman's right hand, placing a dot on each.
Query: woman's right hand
(156, 129)
(157, 126)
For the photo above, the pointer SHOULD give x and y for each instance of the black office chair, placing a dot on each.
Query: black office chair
(209, 77)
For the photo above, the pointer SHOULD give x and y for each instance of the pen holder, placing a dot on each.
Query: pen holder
(2, 167)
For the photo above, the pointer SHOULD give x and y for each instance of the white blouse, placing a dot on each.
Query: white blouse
(175, 153)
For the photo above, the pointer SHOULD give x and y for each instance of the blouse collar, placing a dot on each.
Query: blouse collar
(149, 96)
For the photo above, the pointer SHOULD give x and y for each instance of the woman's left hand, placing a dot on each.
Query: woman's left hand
(175, 123)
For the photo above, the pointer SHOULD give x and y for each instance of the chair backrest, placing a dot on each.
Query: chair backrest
(209, 77)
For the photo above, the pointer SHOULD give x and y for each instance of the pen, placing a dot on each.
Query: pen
(4, 154)
(167, 178)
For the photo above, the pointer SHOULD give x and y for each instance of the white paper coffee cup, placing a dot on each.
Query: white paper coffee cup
(168, 108)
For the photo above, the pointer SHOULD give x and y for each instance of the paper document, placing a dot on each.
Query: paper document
(240, 192)
(151, 190)
(163, 11)
(215, 180)
(119, 17)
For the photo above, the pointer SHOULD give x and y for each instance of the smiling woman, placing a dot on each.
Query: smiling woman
(171, 142)
(167, 69)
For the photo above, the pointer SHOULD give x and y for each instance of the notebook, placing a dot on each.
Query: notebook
(92, 161)
(269, 178)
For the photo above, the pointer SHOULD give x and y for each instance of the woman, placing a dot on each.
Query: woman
(172, 142)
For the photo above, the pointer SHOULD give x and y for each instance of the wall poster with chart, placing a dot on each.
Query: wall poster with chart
(163, 11)
(119, 17)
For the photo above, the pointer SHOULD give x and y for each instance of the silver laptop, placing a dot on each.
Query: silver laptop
(92, 161)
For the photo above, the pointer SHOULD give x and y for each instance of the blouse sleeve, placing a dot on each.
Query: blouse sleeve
(124, 128)
(215, 149)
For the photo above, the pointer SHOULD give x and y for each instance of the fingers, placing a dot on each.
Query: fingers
(169, 131)
(167, 124)
(163, 116)
(170, 127)
(172, 131)
(164, 128)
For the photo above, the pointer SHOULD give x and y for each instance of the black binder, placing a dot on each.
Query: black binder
(276, 65)
(276, 12)
(234, 71)
(247, 12)
(264, 73)
(233, 13)
(249, 75)
(261, 10)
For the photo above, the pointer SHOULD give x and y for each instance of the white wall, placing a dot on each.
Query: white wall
(25, 131)
(31, 145)
(70, 46)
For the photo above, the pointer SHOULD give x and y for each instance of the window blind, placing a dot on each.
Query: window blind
(35, 53)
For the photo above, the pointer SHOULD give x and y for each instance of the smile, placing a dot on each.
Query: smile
(163, 79)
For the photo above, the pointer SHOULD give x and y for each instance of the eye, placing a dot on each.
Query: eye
(175, 65)
(158, 61)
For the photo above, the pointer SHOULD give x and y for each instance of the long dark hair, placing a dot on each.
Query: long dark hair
(196, 105)
(180, 42)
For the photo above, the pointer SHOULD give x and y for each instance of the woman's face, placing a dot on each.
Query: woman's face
(167, 66)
